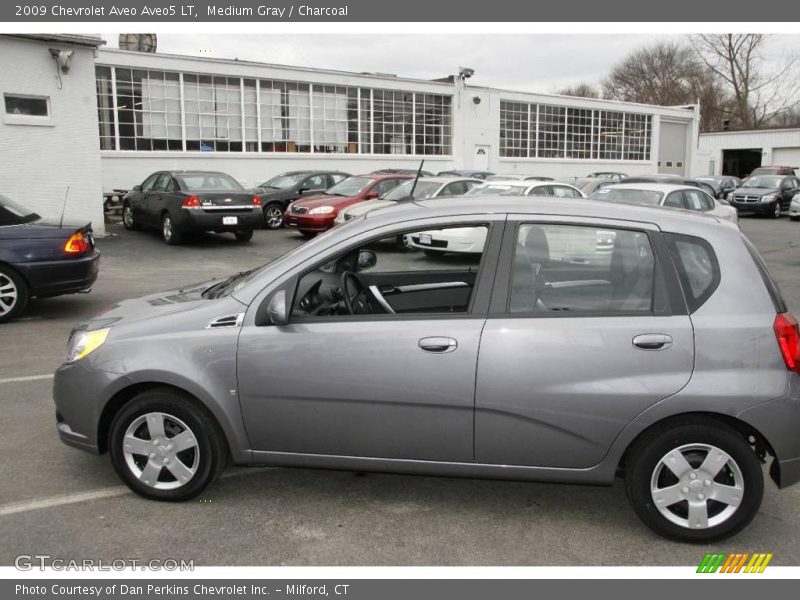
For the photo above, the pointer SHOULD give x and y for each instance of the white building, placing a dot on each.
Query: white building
(739, 152)
(255, 120)
(48, 129)
(116, 116)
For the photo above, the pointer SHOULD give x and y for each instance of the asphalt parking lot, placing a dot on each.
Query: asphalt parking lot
(69, 504)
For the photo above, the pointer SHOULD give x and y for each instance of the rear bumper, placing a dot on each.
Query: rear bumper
(58, 277)
(309, 223)
(201, 220)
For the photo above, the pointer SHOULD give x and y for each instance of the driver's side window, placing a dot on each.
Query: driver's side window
(420, 272)
(150, 182)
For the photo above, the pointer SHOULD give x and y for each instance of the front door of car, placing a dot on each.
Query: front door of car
(582, 336)
(138, 200)
(394, 383)
(155, 198)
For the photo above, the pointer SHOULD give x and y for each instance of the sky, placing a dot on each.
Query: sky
(533, 63)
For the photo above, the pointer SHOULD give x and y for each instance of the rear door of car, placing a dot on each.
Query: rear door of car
(583, 334)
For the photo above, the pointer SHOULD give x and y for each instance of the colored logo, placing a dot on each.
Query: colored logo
(739, 562)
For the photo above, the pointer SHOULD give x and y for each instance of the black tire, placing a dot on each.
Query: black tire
(169, 234)
(794, 218)
(213, 451)
(128, 222)
(777, 211)
(645, 457)
(433, 253)
(308, 234)
(244, 236)
(14, 294)
(273, 215)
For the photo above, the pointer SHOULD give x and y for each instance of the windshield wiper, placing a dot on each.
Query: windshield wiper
(215, 290)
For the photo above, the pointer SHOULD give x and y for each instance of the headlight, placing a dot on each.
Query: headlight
(321, 210)
(768, 198)
(729, 196)
(84, 343)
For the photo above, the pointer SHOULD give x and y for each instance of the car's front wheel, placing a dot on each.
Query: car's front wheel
(13, 293)
(166, 447)
(273, 215)
(777, 211)
(127, 218)
(696, 480)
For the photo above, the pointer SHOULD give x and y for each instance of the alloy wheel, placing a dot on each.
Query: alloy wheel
(9, 294)
(777, 212)
(161, 451)
(127, 216)
(166, 228)
(697, 486)
(273, 217)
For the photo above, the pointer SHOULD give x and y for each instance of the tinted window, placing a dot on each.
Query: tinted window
(387, 184)
(563, 191)
(209, 182)
(282, 182)
(697, 200)
(163, 183)
(25, 105)
(12, 213)
(337, 177)
(578, 269)
(351, 186)
(628, 196)
(318, 182)
(697, 267)
(150, 182)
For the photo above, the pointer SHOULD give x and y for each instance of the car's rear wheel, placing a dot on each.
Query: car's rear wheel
(273, 215)
(128, 222)
(244, 236)
(166, 447)
(694, 481)
(13, 293)
(168, 232)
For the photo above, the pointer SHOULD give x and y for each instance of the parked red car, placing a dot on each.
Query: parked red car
(315, 214)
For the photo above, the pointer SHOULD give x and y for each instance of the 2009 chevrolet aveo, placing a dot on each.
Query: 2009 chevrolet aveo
(584, 341)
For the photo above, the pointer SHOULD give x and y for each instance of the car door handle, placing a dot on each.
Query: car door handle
(438, 345)
(652, 341)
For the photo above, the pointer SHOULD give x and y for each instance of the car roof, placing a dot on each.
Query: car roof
(385, 175)
(442, 179)
(652, 187)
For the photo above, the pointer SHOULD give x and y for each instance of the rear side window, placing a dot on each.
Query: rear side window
(698, 268)
(769, 282)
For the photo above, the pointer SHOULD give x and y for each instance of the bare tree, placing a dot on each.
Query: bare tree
(668, 73)
(580, 90)
(760, 93)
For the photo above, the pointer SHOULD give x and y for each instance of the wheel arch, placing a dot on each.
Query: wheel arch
(752, 436)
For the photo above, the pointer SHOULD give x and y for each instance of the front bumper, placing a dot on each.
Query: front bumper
(759, 208)
(197, 219)
(58, 277)
(309, 223)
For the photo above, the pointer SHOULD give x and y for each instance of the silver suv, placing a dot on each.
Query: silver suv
(664, 354)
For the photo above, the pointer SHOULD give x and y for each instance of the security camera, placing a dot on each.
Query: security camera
(63, 58)
(476, 100)
(465, 72)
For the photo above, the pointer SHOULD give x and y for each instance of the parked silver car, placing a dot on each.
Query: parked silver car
(670, 359)
(669, 196)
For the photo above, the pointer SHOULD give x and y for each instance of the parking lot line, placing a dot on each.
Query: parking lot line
(14, 508)
(28, 378)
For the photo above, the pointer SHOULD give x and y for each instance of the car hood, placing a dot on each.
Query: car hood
(325, 200)
(754, 191)
(42, 229)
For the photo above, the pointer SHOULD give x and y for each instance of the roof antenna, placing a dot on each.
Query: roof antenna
(63, 209)
(416, 179)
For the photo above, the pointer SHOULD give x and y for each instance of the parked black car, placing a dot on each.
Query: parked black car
(765, 194)
(277, 193)
(674, 180)
(40, 259)
(466, 173)
(180, 202)
(722, 184)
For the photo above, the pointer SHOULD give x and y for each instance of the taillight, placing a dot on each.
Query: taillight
(77, 244)
(788, 336)
(256, 201)
(191, 202)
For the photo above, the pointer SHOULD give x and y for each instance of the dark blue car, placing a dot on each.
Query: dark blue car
(40, 259)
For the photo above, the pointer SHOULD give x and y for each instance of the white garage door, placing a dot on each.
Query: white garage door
(786, 156)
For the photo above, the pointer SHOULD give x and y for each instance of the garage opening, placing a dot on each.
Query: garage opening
(740, 163)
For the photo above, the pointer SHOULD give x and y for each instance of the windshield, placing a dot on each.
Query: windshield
(208, 182)
(497, 190)
(12, 213)
(628, 196)
(763, 181)
(283, 182)
(423, 189)
(352, 186)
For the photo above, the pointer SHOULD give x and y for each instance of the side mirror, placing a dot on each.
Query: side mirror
(302, 190)
(137, 188)
(372, 195)
(366, 259)
(274, 310)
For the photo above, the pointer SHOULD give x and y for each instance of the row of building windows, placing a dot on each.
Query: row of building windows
(546, 131)
(150, 110)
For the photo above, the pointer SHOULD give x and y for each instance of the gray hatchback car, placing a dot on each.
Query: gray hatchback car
(667, 357)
